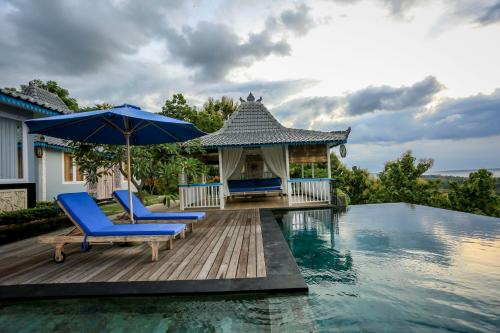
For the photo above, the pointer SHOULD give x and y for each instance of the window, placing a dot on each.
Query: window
(72, 171)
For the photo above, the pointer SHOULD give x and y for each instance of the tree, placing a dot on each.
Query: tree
(209, 119)
(476, 194)
(359, 185)
(401, 181)
(154, 167)
(53, 87)
(102, 106)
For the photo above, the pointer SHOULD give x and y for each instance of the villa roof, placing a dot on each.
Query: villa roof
(253, 125)
(51, 143)
(38, 97)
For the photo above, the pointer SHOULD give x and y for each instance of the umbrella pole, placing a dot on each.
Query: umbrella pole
(129, 175)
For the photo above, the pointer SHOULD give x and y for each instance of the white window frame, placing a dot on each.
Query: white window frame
(25, 150)
(73, 165)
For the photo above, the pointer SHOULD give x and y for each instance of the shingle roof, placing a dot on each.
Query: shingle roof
(253, 125)
(51, 142)
(40, 97)
(45, 97)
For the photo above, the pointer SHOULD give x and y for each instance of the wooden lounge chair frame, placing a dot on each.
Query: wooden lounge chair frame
(77, 235)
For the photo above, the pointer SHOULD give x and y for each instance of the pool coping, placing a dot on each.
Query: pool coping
(282, 276)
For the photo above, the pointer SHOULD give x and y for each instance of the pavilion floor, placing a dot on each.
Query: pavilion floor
(230, 251)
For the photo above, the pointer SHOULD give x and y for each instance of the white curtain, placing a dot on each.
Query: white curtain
(274, 157)
(237, 173)
(230, 160)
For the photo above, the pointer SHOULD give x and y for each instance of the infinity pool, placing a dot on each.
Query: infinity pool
(373, 268)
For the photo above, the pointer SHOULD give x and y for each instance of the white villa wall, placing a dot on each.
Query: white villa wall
(54, 180)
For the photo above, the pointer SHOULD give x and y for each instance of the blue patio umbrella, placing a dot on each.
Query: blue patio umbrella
(122, 125)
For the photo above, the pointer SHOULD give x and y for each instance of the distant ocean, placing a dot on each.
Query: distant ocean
(461, 173)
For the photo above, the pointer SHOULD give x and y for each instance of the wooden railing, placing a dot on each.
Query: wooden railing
(201, 195)
(310, 190)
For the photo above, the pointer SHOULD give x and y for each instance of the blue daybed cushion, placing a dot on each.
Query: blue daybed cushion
(142, 213)
(84, 211)
(254, 185)
(241, 183)
(267, 182)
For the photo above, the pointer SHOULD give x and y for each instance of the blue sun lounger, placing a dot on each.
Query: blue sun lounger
(96, 227)
(141, 213)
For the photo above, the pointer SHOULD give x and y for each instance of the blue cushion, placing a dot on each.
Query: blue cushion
(173, 216)
(141, 213)
(139, 209)
(268, 188)
(84, 211)
(242, 189)
(146, 229)
(267, 182)
(241, 183)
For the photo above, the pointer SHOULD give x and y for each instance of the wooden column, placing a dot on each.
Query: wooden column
(287, 185)
(328, 161)
(221, 176)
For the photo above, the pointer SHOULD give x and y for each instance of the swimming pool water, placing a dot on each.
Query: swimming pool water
(373, 268)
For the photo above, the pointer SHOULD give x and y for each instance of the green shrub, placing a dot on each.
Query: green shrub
(14, 232)
(31, 214)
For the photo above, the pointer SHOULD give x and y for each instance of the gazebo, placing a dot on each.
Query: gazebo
(254, 152)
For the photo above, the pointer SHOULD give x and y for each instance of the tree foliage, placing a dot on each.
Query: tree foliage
(476, 194)
(209, 118)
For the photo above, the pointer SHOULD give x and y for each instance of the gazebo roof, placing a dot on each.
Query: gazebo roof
(253, 125)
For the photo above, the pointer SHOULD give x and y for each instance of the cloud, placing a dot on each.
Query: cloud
(74, 38)
(469, 117)
(299, 21)
(304, 112)
(273, 92)
(492, 15)
(375, 119)
(214, 49)
(392, 99)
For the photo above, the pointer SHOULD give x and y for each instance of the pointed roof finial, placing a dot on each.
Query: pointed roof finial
(250, 98)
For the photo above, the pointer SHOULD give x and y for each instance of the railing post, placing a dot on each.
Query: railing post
(333, 193)
(221, 196)
(181, 198)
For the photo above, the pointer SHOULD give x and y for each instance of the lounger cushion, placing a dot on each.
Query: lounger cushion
(87, 214)
(139, 209)
(145, 229)
(84, 211)
(141, 213)
(173, 216)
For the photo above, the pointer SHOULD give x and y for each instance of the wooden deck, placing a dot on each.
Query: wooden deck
(226, 245)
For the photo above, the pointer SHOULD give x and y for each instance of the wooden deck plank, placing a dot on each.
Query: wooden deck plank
(212, 254)
(201, 247)
(223, 268)
(226, 245)
(191, 270)
(252, 255)
(261, 263)
(235, 257)
(212, 274)
(243, 260)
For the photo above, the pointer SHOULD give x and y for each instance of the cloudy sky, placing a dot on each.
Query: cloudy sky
(410, 74)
